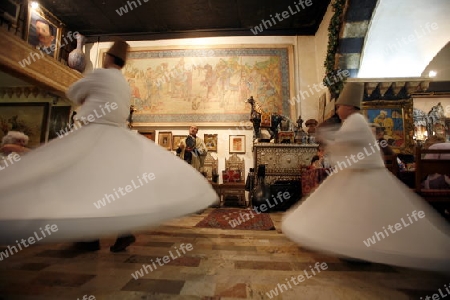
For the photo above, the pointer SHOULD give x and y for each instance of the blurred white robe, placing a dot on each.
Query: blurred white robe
(99, 179)
(349, 214)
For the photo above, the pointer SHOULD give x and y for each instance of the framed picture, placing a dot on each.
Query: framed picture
(29, 118)
(396, 118)
(211, 142)
(176, 141)
(237, 144)
(43, 32)
(146, 131)
(150, 134)
(447, 130)
(266, 120)
(322, 103)
(59, 121)
(10, 11)
(165, 139)
(330, 109)
(182, 85)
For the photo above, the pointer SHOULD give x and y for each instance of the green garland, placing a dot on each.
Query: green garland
(333, 42)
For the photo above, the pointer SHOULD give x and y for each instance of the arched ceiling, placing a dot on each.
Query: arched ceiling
(404, 36)
(440, 64)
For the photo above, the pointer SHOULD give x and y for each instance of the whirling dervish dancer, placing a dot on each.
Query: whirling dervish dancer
(363, 212)
(100, 178)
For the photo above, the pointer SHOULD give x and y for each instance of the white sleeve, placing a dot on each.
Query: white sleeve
(78, 91)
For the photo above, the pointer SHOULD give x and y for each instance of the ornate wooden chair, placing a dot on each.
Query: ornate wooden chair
(429, 162)
(235, 166)
(233, 187)
(210, 166)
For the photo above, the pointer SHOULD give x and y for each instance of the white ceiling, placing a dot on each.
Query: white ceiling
(404, 36)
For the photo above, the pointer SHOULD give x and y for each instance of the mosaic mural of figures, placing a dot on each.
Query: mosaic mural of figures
(189, 85)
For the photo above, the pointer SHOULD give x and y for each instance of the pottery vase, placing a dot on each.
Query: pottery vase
(77, 59)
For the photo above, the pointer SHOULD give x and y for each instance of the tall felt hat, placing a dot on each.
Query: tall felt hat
(119, 49)
(352, 94)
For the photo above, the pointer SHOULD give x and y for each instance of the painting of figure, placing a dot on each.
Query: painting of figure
(42, 33)
(391, 119)
(29, 118)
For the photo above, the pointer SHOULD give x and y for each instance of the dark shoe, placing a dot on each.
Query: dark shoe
(122, 243)
(88, 246)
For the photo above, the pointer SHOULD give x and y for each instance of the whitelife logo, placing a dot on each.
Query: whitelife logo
(9, 160)
(300, 278)
(31, 240)
(341, 75)
(165, 260)
(412, 38)
(438, 296)
(36, 56)
(90, 118)
(356, 158)
(397, 226)
(244, 217)
(124, 9)
(281, 17)
(124, 191)
(86, 297)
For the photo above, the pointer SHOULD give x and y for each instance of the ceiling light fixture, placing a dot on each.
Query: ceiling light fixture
(432, 74)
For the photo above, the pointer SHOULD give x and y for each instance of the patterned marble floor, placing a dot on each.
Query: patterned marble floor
(218, 265)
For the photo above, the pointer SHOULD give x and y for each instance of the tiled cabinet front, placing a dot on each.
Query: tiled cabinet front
(283, 161)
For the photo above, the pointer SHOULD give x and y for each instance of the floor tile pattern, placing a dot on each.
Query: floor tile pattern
(221, 265)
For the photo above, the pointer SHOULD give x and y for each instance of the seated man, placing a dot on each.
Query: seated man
(192, 149)
(14, 142)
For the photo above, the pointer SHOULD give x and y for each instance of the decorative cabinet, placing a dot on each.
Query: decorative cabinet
(283, 161)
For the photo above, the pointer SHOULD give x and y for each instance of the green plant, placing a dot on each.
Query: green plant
(332, 48)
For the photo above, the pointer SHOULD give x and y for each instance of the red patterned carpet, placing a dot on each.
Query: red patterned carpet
(237, 218)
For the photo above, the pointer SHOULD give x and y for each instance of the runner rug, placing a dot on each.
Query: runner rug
(237, 218)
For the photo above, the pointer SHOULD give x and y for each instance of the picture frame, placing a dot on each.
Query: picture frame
(447, 128)
(43, 32)
(10, 11)
(210, 167)
(266, 120)
(146, 131)
(27, 117)
(237, 144)
(186, 89)
(176, 141)
(211, 142)
(322, 104)
(59, 121)
(330, 109)
(397, 119)
(165, 139)
(148, 134)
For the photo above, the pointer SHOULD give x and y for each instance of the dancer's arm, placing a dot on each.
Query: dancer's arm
(79, 91)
